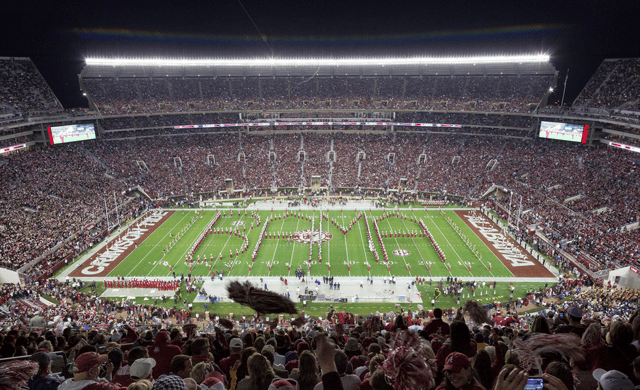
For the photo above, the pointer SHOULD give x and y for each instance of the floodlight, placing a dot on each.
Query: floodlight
(276, 62)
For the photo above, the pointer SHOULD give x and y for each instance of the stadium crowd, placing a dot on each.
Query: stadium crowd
(23, 89)
(53, 201)
(460, 93)
(584, 337)
(580, 198)
(614, 85)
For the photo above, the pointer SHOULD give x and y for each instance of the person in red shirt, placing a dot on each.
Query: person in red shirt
(235, 347)
(512, 320)
(498, 320)
(436, 324)
(162, 352)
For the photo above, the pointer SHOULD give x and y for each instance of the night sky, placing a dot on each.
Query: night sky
(58, 35)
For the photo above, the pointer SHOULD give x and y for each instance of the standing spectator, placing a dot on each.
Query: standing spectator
(235, 347)
(162, 352)
(436, 324)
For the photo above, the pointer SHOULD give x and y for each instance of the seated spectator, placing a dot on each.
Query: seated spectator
(86, 373)
(123, 375)
(44, 379)
(181, 366)
(169, 382)
(142, 369)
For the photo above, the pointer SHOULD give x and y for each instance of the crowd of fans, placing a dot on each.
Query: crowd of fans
(546, 175)
(580, 198)
(460, 93)
(22, 88)
(49, 195)
(613, 86)
(584, 336)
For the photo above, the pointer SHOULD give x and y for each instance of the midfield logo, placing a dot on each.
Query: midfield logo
(315, 236)
(401, 252)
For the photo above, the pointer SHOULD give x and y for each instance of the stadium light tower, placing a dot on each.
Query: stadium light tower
(347, 61)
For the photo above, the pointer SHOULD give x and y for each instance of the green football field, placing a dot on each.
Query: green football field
(347, 254)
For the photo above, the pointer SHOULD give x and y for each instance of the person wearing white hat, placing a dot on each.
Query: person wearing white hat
(142, 369)
(612, 380)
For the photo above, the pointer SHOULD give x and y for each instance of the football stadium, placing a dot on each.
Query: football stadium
(301, 222)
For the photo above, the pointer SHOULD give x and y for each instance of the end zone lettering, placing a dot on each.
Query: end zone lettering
(119, 246)
(499, 242)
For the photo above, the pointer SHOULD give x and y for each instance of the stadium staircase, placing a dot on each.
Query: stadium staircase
(597, 91)
(96, 159)
(484, 173)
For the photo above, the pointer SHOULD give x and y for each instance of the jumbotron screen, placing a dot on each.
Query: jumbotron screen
(71, 133)
(564, 131)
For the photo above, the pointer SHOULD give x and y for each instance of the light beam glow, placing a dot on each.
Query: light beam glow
(282, 62)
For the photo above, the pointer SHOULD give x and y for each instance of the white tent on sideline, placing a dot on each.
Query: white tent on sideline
(628, 277)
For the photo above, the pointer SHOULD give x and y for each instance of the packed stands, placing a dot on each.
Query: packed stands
(581, 199)
(590, 327)
(614, 85)
(118, 96)
(23, 89)
(544, 173)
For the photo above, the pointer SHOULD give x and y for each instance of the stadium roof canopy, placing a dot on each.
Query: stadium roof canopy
(323, 67)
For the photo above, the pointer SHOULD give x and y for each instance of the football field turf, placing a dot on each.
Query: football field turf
(341, 254)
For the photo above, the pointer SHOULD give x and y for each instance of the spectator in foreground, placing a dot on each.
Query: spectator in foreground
(459, 374)
(307, 372)
(123, 375)
(169, 382)
(163, 353)
(142, 369)
(44, 379)
(436, 324)
(612, 380)
(181, 366)
(86, 373)
(141, 385)
(260, 374)
(349, 382)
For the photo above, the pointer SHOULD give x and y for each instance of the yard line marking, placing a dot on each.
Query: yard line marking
(398, 244)
(293, 249)
(276, 250)
(364, 248)
(187, 250)
(158, 243)
(445, 237)
(346, 250)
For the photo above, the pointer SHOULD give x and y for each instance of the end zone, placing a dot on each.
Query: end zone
(519, 262)
(113, 252)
